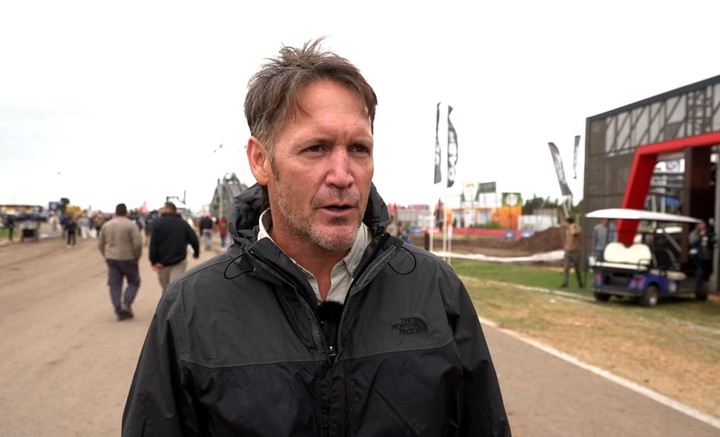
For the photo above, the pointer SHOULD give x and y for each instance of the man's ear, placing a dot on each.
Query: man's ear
(259, 160)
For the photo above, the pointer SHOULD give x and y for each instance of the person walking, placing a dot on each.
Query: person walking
(169, 242)
(570, 234)
(316, 321)
(71, 227)
(84, 222)
(206, 230)
(702, 242)
(222, 228)
(120, 244)
(149, 224)
(97, 222)
(9, 223)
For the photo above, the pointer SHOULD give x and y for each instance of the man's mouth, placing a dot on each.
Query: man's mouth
(337, 207)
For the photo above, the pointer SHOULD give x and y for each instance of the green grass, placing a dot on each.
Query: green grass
(522, 274)
(683, 309)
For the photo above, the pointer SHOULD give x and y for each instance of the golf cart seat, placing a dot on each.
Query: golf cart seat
(616, 256)
(665, 264)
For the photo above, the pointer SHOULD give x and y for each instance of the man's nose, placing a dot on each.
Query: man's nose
(339, 172)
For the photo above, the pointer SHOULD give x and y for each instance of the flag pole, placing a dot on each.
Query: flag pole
(438, 175)
(452, 159)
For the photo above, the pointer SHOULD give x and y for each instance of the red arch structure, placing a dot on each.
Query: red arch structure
(641, 173)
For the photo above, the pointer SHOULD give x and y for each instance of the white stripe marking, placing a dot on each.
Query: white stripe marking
(706, 418)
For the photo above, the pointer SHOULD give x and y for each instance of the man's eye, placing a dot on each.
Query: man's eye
(360, 148)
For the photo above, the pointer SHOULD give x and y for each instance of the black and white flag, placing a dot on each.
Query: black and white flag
(438, 157)
(575, 154)
(452, 151)
(557, 160)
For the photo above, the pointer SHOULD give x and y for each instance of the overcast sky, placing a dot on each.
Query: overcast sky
(106, 102)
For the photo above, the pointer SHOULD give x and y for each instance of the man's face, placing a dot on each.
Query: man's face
(319, 180)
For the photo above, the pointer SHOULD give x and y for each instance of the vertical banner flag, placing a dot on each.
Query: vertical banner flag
(559, 170)
(452, 151)
(575, 153)
(438, 172)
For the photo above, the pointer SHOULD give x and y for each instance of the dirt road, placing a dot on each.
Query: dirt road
(68, 363)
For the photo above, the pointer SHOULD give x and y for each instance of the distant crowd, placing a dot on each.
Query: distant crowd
(86, 225)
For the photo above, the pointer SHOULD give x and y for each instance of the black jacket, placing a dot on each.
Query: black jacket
(170, 238)
(206, 223)
(236, 348)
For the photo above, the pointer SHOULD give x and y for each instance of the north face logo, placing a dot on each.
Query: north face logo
(410, 325)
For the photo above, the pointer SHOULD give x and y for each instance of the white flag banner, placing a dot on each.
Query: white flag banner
(575, 155)
(452, 151)
(557, 160)
(438, 155)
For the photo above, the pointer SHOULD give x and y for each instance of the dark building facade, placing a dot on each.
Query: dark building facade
(659, 154)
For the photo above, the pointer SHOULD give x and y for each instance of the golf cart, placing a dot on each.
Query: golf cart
(651, 267)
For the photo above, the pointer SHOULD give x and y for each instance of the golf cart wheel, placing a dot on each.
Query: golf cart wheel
(601, 297)
(650, 297)
(702, 294)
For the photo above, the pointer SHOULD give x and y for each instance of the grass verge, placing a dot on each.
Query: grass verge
(673, 348)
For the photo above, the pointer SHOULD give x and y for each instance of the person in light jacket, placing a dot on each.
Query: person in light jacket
(603, 234)
(120, 243)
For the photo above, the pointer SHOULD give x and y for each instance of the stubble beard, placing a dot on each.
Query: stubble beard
(304, 228)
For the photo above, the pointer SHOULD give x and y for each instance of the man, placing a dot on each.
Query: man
(222, 228)
(171, 236)
(316, 322)
(206, 230)
(603, 233)
(149, 223)
(570, 234)
(84, 223)
(10, 225)
(702, 243)
(71, 227)
(121, 245)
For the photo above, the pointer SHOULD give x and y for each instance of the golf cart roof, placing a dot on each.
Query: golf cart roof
(639, 214)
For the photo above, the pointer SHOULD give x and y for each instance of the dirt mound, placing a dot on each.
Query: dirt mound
(543, 241)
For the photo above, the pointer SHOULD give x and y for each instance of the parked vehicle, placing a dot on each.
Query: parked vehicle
(650, 268)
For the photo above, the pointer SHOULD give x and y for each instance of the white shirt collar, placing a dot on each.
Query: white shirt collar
(342, 273)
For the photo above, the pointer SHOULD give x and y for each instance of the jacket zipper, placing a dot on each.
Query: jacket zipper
(379, 259)
(298, 288)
